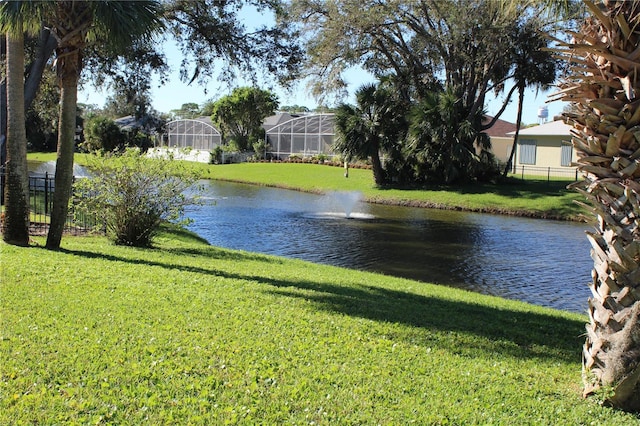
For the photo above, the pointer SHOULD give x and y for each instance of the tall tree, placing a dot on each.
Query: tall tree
(374, 125)
(533, 66)
(115, 23)
(605, 88)
(74, 24)
(16, 214)
(187, 111)
(463, 45)
(240, 115)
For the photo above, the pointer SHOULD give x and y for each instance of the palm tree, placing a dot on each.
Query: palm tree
(605, 87)
(534, 66)
(75, 24)
(16, 215)
(442, 140)
(376, 124)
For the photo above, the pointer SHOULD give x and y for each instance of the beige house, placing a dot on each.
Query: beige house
(501, 135)
(547, 146)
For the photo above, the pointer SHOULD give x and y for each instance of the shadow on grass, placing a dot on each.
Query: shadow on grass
(505, 332)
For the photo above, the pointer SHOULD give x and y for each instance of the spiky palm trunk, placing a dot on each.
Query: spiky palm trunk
(16, 215)
(605, 85)
(74, 20)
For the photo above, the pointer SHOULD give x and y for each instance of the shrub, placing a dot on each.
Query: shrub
(102, 133)
(135, 194)
(260, 147)
(216, 155)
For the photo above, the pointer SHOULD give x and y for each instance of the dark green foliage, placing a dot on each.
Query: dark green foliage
(377, 124)
(444, 145)
(240, 115)
(102, 134)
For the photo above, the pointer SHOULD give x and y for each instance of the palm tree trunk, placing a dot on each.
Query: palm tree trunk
(33, 77)
(509, 165)
(74, 20)
(16, 216)
(66, 147)
(604, 136)
(376, 166)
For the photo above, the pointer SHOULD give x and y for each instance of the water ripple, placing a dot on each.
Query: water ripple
(537, 261)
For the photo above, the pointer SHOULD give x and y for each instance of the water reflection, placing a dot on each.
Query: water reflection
(538, 261)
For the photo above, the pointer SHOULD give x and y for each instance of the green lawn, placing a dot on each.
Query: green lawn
(186, 333)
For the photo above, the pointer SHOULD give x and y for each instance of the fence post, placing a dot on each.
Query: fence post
(46, 193)
(548, 174)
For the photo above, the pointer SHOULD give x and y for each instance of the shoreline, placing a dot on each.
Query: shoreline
(426, 204)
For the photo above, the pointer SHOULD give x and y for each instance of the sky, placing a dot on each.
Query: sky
(174, 92)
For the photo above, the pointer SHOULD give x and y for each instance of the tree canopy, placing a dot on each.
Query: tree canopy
(240, 115)
(422, 44)
(462, 51)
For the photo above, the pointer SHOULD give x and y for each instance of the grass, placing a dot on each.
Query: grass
(187, 333)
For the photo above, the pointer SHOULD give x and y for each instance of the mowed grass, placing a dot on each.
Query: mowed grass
(187, 333)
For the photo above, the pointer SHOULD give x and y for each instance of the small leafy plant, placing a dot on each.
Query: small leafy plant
(135, 195)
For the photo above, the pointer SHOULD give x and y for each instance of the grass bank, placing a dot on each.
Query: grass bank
(523, 198)
(186, 333)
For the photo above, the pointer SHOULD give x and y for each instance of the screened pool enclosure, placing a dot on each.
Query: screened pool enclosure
(198, 134)
(286, 134)
(304, 135)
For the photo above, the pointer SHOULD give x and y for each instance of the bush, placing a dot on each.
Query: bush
(216, 155)
(260, 147)
(135, 194)
(102, 134)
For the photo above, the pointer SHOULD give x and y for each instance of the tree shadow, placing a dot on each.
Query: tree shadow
(505, 332)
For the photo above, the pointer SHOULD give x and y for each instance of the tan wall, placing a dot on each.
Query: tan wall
(548, 151)
(501, 148)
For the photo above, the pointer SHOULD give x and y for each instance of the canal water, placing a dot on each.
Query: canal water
(538, 261)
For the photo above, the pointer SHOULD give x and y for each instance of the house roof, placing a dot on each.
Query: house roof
(552, 128)
(500, 128)
(278, 118)
(128, 122)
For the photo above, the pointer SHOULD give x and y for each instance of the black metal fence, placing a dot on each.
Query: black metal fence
(545, 173)
(41, 191)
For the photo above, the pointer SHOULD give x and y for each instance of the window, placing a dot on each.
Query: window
(566, 153)
(527, 151)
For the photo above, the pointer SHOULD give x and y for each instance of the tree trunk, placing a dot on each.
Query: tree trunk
(605, 91)
(66, 146)
(509, 164)
(376, 166)
(46, 45)
(16, 215)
